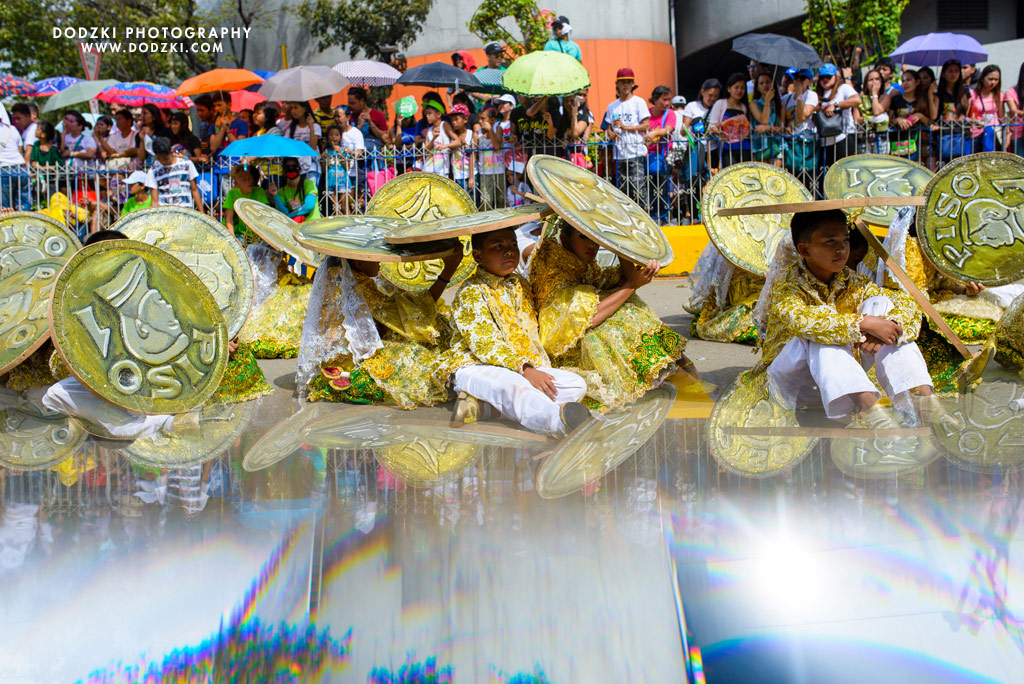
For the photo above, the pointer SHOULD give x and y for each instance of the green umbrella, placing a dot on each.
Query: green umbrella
(545, 73)
(83, 91)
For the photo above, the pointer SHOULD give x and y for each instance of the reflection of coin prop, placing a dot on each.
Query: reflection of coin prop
(873, 175)
(205, 246)
(972, 227)
(284, 438)
(748, 241)
(113, 321)
(275, 228)
(428, 462)
(24, 310)
(981, 432)
(747, 406)
(469, 224)
(599, 209)
(188, 445)
(881, 457)
(351, 427)
(32, 438)
(602, 445)
(27, 236)
(419, 196)
(362, 237)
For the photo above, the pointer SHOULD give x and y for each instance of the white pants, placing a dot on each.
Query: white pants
(517, 399)
(70, 398)
(806, 371)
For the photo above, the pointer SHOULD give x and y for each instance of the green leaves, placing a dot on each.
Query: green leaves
(835, 27)
(365, 27)
(526, 14)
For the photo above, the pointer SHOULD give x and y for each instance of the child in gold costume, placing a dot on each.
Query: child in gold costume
(365, 341)
(274, 327)
(1009, 337)
(591, 319)
(723, 298)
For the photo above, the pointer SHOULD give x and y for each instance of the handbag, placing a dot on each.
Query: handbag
(801, 153)
(379, 176)
(951, 146)
(904, 148)
(828, 126)
(656, 164)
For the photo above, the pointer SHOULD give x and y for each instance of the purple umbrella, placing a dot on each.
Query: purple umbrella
(933, 49)
(53, 85)
(12, 85)
(365, 72)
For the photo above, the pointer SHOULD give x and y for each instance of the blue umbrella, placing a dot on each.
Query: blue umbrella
(269, 146)
(53, 85)
(771, 48)
(262, 74)
(933, 49)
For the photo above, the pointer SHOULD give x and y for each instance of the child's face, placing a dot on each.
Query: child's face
(583, 247)
(499, 254)
(458, 121)
(827, 250)
(433, 116)
(135, 188)
(335, 137)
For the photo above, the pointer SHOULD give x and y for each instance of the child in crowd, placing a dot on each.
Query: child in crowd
(496, 355)
(516, 185)
(438, 138)
(345, 144)
(246, 186)
(821, 314)
(172, 180)
(139, 195)
(489, 157)
(463, 154)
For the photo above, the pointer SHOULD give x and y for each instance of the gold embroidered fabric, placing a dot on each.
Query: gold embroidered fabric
(803, 306)
(412, 315)
(274, 330)
(495, 324)
(1009, 335)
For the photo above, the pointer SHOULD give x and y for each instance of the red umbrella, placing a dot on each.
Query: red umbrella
(243, 99)
(142, 93)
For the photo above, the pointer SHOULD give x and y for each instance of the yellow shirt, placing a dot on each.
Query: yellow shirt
(803, 306)
(495, 325)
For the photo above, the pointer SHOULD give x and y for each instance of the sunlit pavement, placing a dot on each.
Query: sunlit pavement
(632, 551)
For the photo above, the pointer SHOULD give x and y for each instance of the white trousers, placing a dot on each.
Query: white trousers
(805, 372)
(70, 398)
(518, 400)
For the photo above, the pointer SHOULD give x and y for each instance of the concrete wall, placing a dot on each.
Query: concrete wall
(703, 23)
(922, 16)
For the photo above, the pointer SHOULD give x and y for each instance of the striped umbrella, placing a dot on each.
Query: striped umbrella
(366, 72)
(12, 85)
(53, 85)
(138, 93)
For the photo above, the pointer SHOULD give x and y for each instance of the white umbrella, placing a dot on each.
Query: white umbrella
(83, 91)
(365, 72)
(303, 83)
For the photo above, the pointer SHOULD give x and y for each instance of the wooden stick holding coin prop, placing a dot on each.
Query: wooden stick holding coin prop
(883, 256)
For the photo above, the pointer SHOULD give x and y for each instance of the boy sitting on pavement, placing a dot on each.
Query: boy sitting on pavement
(820, 312)
(496, 355)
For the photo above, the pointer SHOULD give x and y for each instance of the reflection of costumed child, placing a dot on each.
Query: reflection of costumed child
(1009, 336)
(365, 341)
(592, 319)
(723, 297)
(980, 307)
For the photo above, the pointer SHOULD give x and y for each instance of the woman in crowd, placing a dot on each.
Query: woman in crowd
(265, 117)
(77, 146)
(874, 113)
(766, 110)
(1015, 114)
(151, 125)
(304, 127)
(953, 102)
(985, 107)
(835, 96)
(728, 120)
(908, 111)
(297, 197)
(801, 154)
(183, 141)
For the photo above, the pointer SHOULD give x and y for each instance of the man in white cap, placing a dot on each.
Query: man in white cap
(139, 196)
(560, 41)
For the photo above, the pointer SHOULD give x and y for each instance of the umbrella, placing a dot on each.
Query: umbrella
(365, 72)
(539, 74)
(269, 146)
(933, 49)
(492, 80)
(53, 85)
(13, 85)
(83, 91)
(218, 79)
(439, 75)
(138, 93)
(262, 74)
(770, 48)
(243, 99)
(303, 83)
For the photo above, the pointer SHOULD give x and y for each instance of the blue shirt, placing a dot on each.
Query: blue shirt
(567, 47)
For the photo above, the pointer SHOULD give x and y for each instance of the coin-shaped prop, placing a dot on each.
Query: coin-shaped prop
(205, 246)
(284, 438)
(24, 310)
(599, 447)
(469, 224)
(751, 435)
(362, 237)
(419, 196)
(875, 175)
(428, 462)
(972, 227)
(32, 438)
(599, 209)
(750, 241)
(276, 229)
(351, 427)
(190, 443)
(26, 237)
(885, 455)
(138, 328)
(983, 430)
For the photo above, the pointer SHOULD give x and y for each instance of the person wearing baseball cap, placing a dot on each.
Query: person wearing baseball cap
(835, 96)
(626, 121)
(494, 53)
(560, 41)
(139, 195)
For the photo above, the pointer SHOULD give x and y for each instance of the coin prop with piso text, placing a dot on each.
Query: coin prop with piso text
(469, 224)
(24, 310)
(138, 328)
(972, 227)
(276, 228)
(362, 238)
(205, 246)
(32, 438)
(874, 175)
(26, 237)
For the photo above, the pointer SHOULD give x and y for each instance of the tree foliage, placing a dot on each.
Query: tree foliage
(485, 25)
(28, 46)
(251, 14)
(836, 27)
(373, 28)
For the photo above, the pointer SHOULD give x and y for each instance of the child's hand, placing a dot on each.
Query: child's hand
(638, 277)
(541, 380)
(888, 332)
